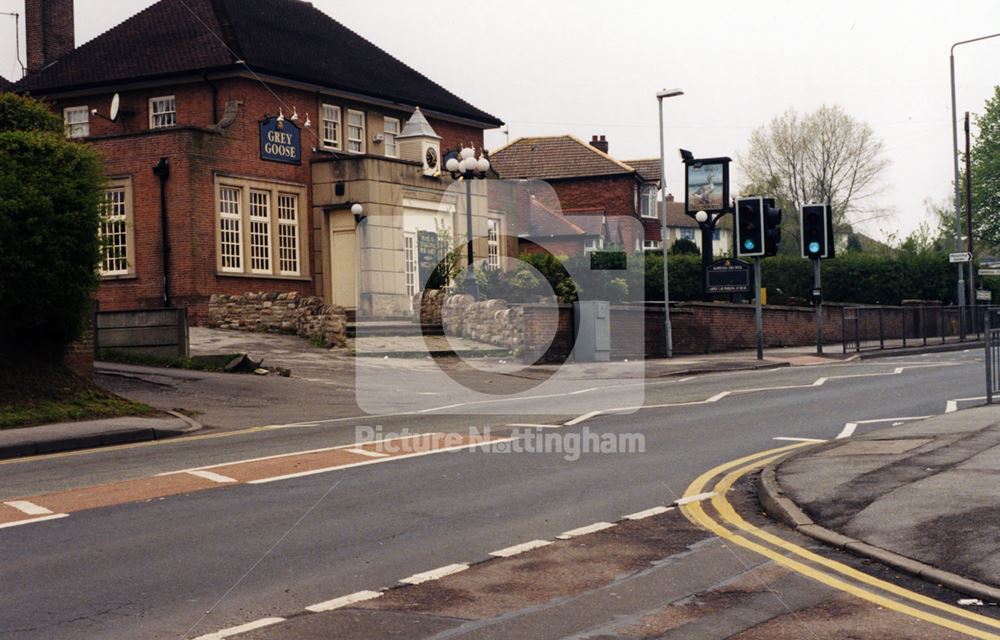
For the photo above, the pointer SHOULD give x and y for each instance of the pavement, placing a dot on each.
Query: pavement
(920, 497)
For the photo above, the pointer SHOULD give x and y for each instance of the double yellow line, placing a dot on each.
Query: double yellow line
(752, 537)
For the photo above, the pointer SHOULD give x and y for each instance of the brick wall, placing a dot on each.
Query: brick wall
(614, 194)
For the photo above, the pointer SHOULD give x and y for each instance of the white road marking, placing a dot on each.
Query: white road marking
(648, 513)
(590, 528)
(718, 396)
(530, 425)
(698, 498)
(520, 548)
(850, 427)
(435, 574)
(344, 601)
(312, 472)
(29, 508)
(54, 516)
(243, 628)
(789, 439)
(847, 431)
(577, 420)
(365, 452)
(214, 477)
(687, 378)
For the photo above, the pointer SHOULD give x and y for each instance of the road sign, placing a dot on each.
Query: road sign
(984, 295)
(729, 276)
(989, 272)
(962, 256)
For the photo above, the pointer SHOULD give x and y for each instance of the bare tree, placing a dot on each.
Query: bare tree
(824, 156)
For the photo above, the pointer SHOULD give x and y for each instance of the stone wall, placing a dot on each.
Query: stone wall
(489, 321)
(305, 316)
(429, 303)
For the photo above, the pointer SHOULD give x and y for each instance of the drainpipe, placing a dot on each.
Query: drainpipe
(162, 171)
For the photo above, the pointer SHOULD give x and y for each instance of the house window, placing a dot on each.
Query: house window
(260, 231)
(391, 129)
(262, 221)
(331, 126)
(493, 244)
(410, 263)
(687, 233)
(716, 235)
(288, 234)
(116, 230)
(162, 112)
(76, 122)
(592, 245)
(648, 201)
(651, 245)
(355, 131)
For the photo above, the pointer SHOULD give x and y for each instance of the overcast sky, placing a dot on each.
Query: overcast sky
(593, 67)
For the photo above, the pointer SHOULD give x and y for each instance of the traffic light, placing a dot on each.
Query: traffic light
(816, 241)
(772, 227)
(749, 227)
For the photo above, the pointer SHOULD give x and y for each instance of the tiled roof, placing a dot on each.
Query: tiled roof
(553, 157)
(648, 168)
(285, 38)
(541, 221)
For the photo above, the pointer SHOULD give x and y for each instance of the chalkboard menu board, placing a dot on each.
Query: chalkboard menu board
(428, 254)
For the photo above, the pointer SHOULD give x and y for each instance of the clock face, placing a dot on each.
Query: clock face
(431, 158)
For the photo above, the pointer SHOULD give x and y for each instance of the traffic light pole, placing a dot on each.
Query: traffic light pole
(819, 307)
(757, 312)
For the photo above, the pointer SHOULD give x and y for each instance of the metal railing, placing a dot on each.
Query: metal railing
(891, 327)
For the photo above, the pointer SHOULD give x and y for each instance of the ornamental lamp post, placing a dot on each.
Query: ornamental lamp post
(468, 167)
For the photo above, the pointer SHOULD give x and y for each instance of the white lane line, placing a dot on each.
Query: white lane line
(365, 452)
(847, 431)
(698, 498)
(789, 439)
(577, 420)
(29, 508)
(435, 574)
(243, 628)
(214, 477)
(590, 528)
(648, 513)
(718, 396)
(687, 378)
(337, 603)
(520, 548)
(54, 516)
(531, 425)
(311, 472)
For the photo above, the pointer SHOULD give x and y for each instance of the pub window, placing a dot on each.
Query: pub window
(76, 122)
(410, 262)
(116, 230)
(331, 126)
(162, 112)
(355, 131)
(262, 221)
(391, 130)
(493, 244)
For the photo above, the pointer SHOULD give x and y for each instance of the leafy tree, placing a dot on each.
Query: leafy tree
(49, 215)
(986, 174)
(824, 156)
(683, 246)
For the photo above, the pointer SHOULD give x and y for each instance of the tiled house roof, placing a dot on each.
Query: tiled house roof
(541, 221)
(554, 157)
(289, 39)
(648, 168)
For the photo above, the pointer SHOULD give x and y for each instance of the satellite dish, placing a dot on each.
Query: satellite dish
(115, 100)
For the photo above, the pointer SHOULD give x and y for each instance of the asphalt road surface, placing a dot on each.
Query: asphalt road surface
(180, 564)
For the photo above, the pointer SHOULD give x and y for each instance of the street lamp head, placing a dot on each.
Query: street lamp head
(468, 152)
(453, 165)
(482, 165)
(357, 209)
(669, 93)
(701, 216)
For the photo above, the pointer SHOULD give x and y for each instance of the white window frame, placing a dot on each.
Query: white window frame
(593, 244)
(651, 245)
(359, 139)
(158, 109)
(391, 129)
(687, 233)
(410, 270)
(648, 202)
(334, 122)
(118, 228)
(79, 129)
(493, 243)
(271, 236)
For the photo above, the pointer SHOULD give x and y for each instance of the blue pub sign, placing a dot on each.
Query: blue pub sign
(280, 141)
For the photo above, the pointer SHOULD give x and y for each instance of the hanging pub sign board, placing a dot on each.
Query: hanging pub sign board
(706, 185)
(428, 255)
(729, 276)
(280, 141)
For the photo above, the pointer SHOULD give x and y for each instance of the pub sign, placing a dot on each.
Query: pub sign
(280, 141)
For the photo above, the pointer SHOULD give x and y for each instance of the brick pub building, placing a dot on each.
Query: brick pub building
(238, 134)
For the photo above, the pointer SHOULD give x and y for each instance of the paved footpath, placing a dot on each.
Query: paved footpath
(922, 497)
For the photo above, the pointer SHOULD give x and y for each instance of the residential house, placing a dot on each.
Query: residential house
(682, 226)
(237, 135)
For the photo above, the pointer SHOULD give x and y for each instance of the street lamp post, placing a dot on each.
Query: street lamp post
(668, 336)
(958, 192)
(468, 167)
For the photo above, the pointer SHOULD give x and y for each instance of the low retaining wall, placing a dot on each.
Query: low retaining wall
(304, 316)
(490, 321)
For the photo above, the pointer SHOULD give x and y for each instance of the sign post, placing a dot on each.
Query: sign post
(819, 305)
(757, 312)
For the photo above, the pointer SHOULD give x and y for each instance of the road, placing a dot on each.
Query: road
(179, 566)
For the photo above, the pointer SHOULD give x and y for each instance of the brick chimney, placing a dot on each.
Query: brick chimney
(49, 31)
(600, 143)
